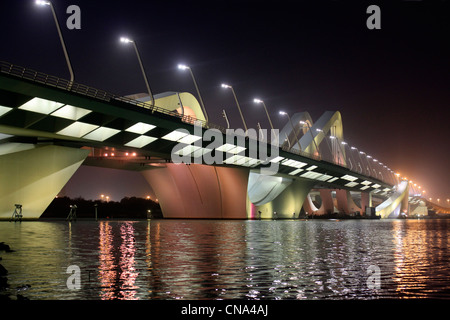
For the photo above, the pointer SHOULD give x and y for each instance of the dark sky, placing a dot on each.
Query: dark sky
(392, 85)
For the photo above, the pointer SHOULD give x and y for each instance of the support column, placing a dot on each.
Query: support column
(366, 201)
(396, 204)
(287, 204)
(199, 191)
(32, 175)
(346, 204)
(327, 202)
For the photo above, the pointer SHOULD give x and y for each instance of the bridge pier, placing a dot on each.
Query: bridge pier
(397, 204)
(32, 175)
(346, 204)
(288, 203)
(199, 191)
(327, 205)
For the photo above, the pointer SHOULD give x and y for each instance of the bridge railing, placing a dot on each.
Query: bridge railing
(53, 81)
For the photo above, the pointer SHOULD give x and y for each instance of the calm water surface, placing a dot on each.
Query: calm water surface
(202, 259)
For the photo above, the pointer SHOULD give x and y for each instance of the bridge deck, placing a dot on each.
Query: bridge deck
(38, 108)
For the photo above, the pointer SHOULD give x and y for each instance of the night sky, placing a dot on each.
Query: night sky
(392, 86)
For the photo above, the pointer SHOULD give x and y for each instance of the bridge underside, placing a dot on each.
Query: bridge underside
(199, 191)
(33, 174)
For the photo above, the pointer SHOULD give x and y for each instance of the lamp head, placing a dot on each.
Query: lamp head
(125, 40)
(42, 3)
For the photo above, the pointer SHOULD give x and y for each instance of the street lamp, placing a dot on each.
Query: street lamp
(293, 128)
(268, 117)
(48, 3)
(184, 67)
(127, 40)
(237, 103)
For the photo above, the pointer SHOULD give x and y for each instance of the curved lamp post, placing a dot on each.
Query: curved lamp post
(293, 129)
(268, 117)
(126, 40)
(184, 67)
(48, 3)
(237, 103)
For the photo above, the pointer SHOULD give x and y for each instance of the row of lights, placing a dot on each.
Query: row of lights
(439, 200)
(185, 67)
(106, 198)
(126, 40)
(127, 154)
(422, 191)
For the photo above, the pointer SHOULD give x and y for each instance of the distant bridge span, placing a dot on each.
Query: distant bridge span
(49, 127)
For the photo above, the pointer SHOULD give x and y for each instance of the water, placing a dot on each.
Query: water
(203, 259)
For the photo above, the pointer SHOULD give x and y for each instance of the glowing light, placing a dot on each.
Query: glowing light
(140, 141)
(257, 101)
(125, 40)
(140, 128)
(42, 3)
(71, 112)
(225, 85)
(349, 178)
(78, 129)
(42, 106)
(175, 135)
(182, 67)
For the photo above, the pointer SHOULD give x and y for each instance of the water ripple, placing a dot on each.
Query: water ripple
(180, 259)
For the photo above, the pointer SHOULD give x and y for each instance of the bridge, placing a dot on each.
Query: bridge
(50, 126)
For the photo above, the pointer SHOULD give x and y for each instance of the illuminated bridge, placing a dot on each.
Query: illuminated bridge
(49, 127)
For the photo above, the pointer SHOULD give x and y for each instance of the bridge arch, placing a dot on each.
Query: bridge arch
(181, 102)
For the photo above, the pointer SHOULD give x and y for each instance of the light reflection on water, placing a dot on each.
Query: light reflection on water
(203, 259)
